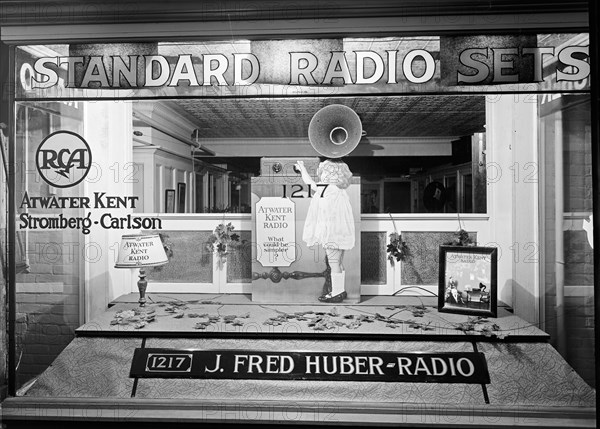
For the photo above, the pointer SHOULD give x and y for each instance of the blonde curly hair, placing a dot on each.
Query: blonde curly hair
(335, 171)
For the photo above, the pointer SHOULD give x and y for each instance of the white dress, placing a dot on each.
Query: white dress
(329, 221)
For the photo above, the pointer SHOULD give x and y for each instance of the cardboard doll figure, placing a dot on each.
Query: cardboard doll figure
(329, 221)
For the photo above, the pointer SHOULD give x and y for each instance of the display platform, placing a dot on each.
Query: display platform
(236, 316)
(528, 384)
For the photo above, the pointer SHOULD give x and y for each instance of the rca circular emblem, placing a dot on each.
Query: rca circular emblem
(63, 159)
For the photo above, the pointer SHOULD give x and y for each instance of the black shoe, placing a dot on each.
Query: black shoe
(333, 299)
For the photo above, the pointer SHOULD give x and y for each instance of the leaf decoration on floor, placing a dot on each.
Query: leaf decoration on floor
(138, 318)
(231, 319)
(422, 326)
(321, 320)
(480, 325)
(417, 310)
(201, 325)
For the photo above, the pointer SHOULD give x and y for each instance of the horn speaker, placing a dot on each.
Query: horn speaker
(335, 131)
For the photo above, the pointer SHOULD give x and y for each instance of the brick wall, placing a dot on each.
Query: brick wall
(47, 302)
(579, 318)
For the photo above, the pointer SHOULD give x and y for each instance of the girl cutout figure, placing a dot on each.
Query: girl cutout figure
(329, 221)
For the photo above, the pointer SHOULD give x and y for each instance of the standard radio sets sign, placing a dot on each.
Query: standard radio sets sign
(444, 61)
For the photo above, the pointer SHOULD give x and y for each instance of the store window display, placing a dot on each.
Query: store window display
(470, 150)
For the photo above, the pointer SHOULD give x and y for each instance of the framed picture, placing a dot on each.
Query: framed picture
(169, 200)
(181, 197)
(467, 282)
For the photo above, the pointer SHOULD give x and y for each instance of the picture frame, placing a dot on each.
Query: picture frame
(468, 280)
(181, 197)
(169, 200)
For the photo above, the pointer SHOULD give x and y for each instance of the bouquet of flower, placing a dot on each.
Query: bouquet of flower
(461, 239)
(396, 249)
(223, 236)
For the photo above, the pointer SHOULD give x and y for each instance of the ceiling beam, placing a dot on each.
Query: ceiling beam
(298, 147)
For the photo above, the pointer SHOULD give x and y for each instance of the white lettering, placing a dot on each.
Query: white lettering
(218, 71)
(45, 72)
(217, 365)
(346, 365)
(272, 362)
(290, 365)
(392, 66)
(375, 364)
(254, 362)
(420, 366)
(361, 56)
(309, 61)
(120, 69)
(429, 66)
(360, 364)
(163, 70)
(337, 68)
(95, 72)
(501, 63)
(470, 366)
(403, 364)
(184, 70)
(239, 360)
(565, 56)
(466, 58)
(312, 364)
(439, 366)
(238, 61)
(71, 62)
(538, 63)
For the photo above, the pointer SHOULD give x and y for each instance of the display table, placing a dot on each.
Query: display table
(529, 382)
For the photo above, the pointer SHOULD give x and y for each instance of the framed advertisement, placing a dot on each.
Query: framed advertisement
(467, 280)
(169, 200)
(181, 197)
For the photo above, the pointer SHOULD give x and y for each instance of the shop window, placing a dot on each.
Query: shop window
(189, 161)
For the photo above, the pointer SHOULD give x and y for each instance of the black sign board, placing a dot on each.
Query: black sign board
(468, 368)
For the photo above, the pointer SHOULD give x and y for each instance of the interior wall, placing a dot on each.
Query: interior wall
(108, 130)
(511, 127)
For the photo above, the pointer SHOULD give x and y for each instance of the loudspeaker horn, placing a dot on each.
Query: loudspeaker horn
(335, 131)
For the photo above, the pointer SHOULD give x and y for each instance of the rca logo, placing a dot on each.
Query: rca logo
(63, 159)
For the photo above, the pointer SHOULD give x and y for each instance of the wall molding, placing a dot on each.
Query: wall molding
(67, 12)
(82, 31)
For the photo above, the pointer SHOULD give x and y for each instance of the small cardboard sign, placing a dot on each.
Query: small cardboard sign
(275, 231)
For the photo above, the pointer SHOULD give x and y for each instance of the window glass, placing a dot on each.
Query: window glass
(164, 154)
(568, 269)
